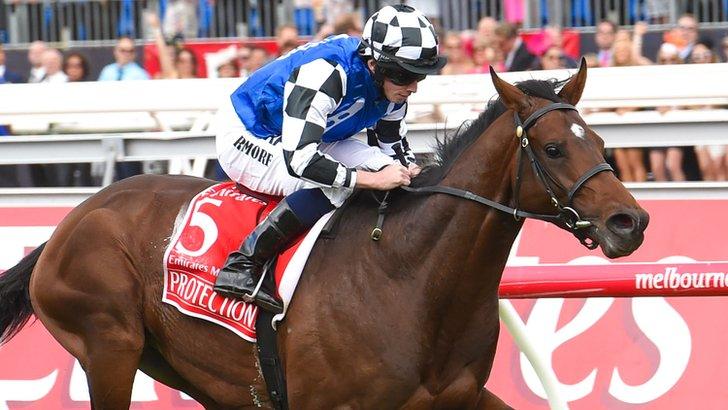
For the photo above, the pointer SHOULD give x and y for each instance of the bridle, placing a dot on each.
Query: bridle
(567, 217)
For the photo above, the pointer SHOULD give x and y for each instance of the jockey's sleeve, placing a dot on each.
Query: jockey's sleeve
(391, 133)
(313, 91)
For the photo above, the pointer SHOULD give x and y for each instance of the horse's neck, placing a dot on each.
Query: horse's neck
(465, 247)
(480, 236)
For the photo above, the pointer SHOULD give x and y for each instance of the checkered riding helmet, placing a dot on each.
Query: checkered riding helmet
(402, 37)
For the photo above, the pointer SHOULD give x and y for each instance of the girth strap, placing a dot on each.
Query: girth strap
(270, 363)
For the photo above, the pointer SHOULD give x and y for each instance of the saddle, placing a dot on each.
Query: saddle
(213, 224)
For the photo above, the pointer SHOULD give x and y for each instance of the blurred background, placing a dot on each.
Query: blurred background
(54, 41)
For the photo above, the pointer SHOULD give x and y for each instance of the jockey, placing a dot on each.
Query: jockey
(287, 131)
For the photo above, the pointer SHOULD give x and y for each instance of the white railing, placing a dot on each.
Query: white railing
(76, 103)
(171, 119)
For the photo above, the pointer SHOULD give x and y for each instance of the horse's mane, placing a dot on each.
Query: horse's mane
(451, 146)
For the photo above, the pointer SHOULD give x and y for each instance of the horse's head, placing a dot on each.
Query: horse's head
(560, 169)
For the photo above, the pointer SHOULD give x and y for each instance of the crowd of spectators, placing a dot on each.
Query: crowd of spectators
(499, 45)
(492, 43)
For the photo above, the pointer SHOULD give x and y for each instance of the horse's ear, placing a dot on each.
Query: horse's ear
(571, 92)
(510, 95)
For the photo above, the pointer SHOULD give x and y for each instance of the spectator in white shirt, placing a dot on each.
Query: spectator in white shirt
(52, 61)
(35, 55)
(53, 175)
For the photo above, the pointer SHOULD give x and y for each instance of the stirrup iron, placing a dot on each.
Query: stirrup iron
(250, 297)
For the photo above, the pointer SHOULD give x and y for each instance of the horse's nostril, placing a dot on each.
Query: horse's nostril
(621, 223)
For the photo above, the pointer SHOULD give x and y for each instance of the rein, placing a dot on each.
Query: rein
(566, 217)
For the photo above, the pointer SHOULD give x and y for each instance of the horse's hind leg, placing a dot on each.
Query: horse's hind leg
(108, 348)
(110, 375)
(89, 296)
(108, 344)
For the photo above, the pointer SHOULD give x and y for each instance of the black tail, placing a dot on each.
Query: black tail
(15, 307)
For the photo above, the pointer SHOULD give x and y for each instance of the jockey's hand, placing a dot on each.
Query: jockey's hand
(414, 169)
(389, 177)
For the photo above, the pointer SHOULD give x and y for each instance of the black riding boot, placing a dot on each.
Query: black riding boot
(243, 268)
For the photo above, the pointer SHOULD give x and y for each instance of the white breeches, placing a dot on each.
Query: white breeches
(259, 165)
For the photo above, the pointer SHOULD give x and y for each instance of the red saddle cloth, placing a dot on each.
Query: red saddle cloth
(213, 224)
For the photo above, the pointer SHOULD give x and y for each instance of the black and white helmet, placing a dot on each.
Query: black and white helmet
(403, 35)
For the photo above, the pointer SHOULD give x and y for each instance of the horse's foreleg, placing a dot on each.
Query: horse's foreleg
(489, 401)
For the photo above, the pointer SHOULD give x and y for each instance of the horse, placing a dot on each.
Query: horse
(409, 321)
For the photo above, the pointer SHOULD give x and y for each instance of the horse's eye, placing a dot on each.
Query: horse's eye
(553, 151)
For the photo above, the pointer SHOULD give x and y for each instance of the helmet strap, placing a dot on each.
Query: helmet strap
(377, 75)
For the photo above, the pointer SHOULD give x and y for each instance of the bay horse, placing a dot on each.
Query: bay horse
(409, 321)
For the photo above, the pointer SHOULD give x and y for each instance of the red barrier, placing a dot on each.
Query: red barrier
(651, 353)
(615, 280)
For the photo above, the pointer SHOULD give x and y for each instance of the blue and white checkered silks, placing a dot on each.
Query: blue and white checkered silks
(313, 92)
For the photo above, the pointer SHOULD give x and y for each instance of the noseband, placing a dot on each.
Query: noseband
(567, 217)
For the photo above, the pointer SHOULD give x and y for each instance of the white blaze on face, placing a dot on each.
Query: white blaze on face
(578, 130)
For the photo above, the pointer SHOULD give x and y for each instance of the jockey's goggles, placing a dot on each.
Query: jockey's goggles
(400, 76)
